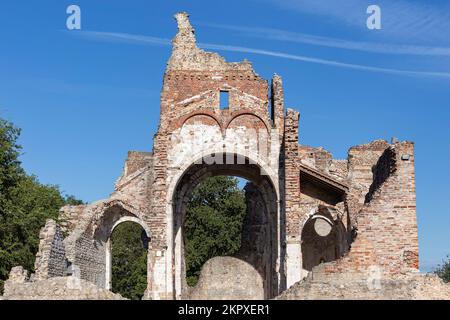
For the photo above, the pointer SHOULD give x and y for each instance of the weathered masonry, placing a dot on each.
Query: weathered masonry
(310, 218)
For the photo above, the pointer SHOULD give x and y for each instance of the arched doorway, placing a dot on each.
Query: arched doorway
(139, 231)
(129, 247)
(262, 228)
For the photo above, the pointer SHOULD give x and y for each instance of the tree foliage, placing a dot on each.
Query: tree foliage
(129, 261)
(213, 223)
(443, 270)
(25, 205)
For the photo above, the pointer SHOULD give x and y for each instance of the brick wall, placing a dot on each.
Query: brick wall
(292, 174)
(387, 228)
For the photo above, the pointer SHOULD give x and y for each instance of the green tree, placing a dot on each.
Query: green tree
(10, 170)
(10, 175)
(213, 225)
(129, 261)
(443, 270)
(25, 205)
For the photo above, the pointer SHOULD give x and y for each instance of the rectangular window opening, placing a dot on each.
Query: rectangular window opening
(224, 99)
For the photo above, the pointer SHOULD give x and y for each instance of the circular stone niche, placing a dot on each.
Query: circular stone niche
(322, 227)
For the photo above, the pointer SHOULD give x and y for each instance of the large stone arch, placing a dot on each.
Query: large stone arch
(198, 170)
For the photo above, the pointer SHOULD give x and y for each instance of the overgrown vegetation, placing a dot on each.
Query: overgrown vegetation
(213, 223)
(129, 261)
(25, 205)
(443, 270)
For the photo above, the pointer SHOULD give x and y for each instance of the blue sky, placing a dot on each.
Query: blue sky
(84, 98)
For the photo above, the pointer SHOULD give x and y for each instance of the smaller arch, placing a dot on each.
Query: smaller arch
(143, 235)
(179, 123)
(328, 213)
(131, 219)
(110, 221)
(239, 113)
(107, 213)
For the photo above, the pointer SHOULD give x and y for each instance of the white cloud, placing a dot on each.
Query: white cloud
(408, 20)
(140, 39)
(287, 36)
(122, 37)
(324, 61)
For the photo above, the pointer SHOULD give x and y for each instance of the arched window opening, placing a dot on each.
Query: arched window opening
(129, 247)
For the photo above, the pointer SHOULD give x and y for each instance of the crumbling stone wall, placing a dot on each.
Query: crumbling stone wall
(369, 181)
(90, 259)
(387, 228)
(361, 160)
(367, 286)
(57, 288)
(366, 202)
(322, 160)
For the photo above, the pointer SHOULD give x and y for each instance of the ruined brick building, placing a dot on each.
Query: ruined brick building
(316, 227)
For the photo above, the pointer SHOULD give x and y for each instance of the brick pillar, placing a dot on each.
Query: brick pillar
(406, 205)
(278, 103)
(160, 262)
(292, 198)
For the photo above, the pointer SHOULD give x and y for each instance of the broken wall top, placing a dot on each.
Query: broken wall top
(187, 56)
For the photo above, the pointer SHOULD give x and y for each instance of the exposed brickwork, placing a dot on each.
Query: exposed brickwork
(57, 288)
(292, 174)
(278, 103)
(309, 214)
(387, 227)
(90, 259)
